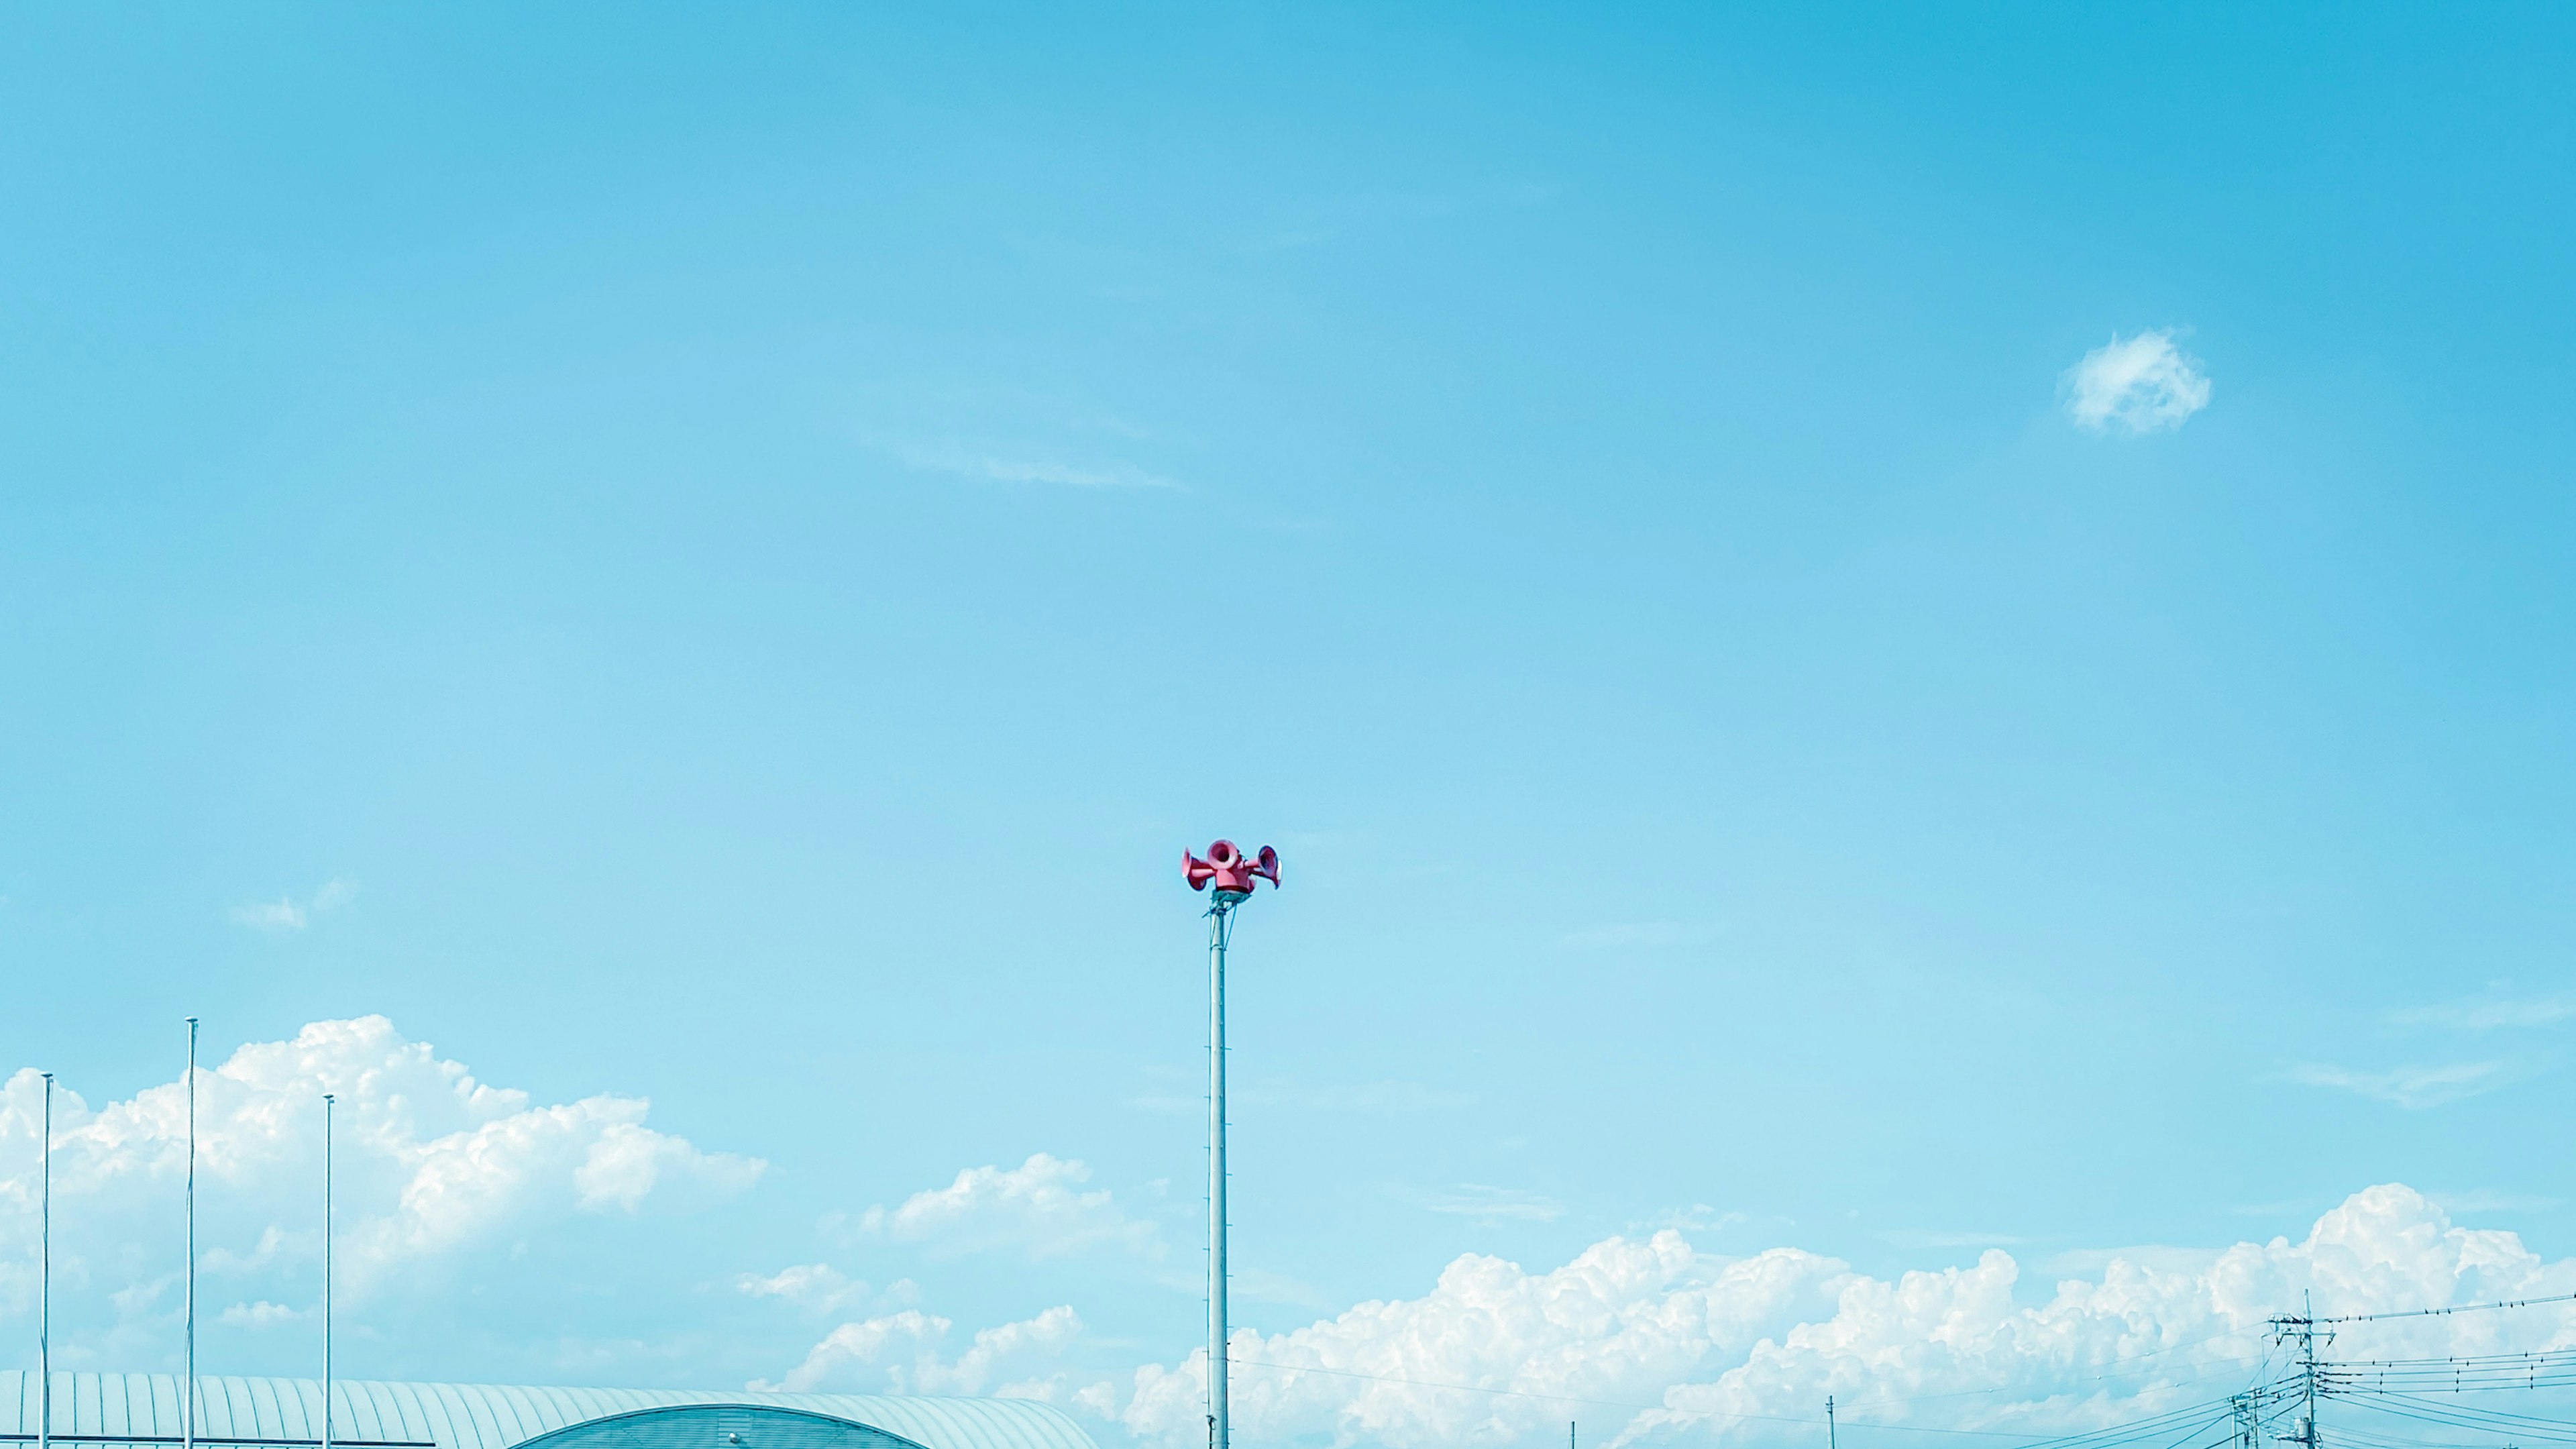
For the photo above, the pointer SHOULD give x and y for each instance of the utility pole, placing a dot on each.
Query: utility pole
(2303, 1330)
(1829, 1421)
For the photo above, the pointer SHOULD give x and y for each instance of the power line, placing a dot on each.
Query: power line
(2455, 1308)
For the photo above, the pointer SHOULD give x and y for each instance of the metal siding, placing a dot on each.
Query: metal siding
(450, 1427)
(527, 1417)
(370, 1412)
(409, 1412)
(160, 1406)
(267, 1407)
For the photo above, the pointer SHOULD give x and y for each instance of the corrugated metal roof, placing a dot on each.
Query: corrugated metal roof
(478, 1416)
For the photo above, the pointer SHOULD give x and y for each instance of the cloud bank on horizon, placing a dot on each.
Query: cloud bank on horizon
(1675, 1343)
(1669, 1341)
(1730, 1347)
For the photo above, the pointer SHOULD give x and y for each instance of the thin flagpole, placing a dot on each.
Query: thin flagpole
(188, 1408)
(327, 1100)
(45, 1287)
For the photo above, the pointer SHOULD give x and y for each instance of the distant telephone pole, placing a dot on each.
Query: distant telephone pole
(1829, 1421)
(2302, 1329)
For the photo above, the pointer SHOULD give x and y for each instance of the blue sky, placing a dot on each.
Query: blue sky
(716, 558)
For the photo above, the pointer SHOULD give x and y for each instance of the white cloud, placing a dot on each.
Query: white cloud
(1036, 1208)
(430, 1162)
(849, 1351)
(262, 1314)
(2140, 384)
(799, 1281)
(2410, 1087)
(820, 1288)
(897, 1352)
(1621, 1320)
(284, 914)
(1730, 1347)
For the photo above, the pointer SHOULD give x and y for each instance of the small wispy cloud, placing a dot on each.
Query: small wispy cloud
(821, 1288)
(1699, 1217)
(2140, 384)
(1039, 1208)
(262, 1314)
(2092, 1262)
(288, 914)
(2413, 1088)
(2489, 1010)
(1373, 1098)
(1265, 1286)
(992, 463)
(1947, 1238)
(2492, 1200)
(1485, 1203)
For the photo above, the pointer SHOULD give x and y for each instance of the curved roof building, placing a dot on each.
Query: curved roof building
(142, 1411)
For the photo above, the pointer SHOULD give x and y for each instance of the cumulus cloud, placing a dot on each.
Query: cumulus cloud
(430, 1160)
(1037, 1208)
(287, 914)
(2140, 384)
(1747, 1348)
(898, 1351)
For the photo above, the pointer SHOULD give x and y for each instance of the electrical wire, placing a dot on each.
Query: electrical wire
(2438, 1312)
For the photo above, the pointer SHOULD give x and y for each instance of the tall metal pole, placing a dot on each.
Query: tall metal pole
(188, 1409)
(327, 1100)
(45, 1286)
(1234, 874)
(1218, 917)
(1829, 1421)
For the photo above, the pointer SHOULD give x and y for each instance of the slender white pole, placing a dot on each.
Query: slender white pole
(45, 1287)
(327, 1100)
(1217, 1395)
(188, 1407)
